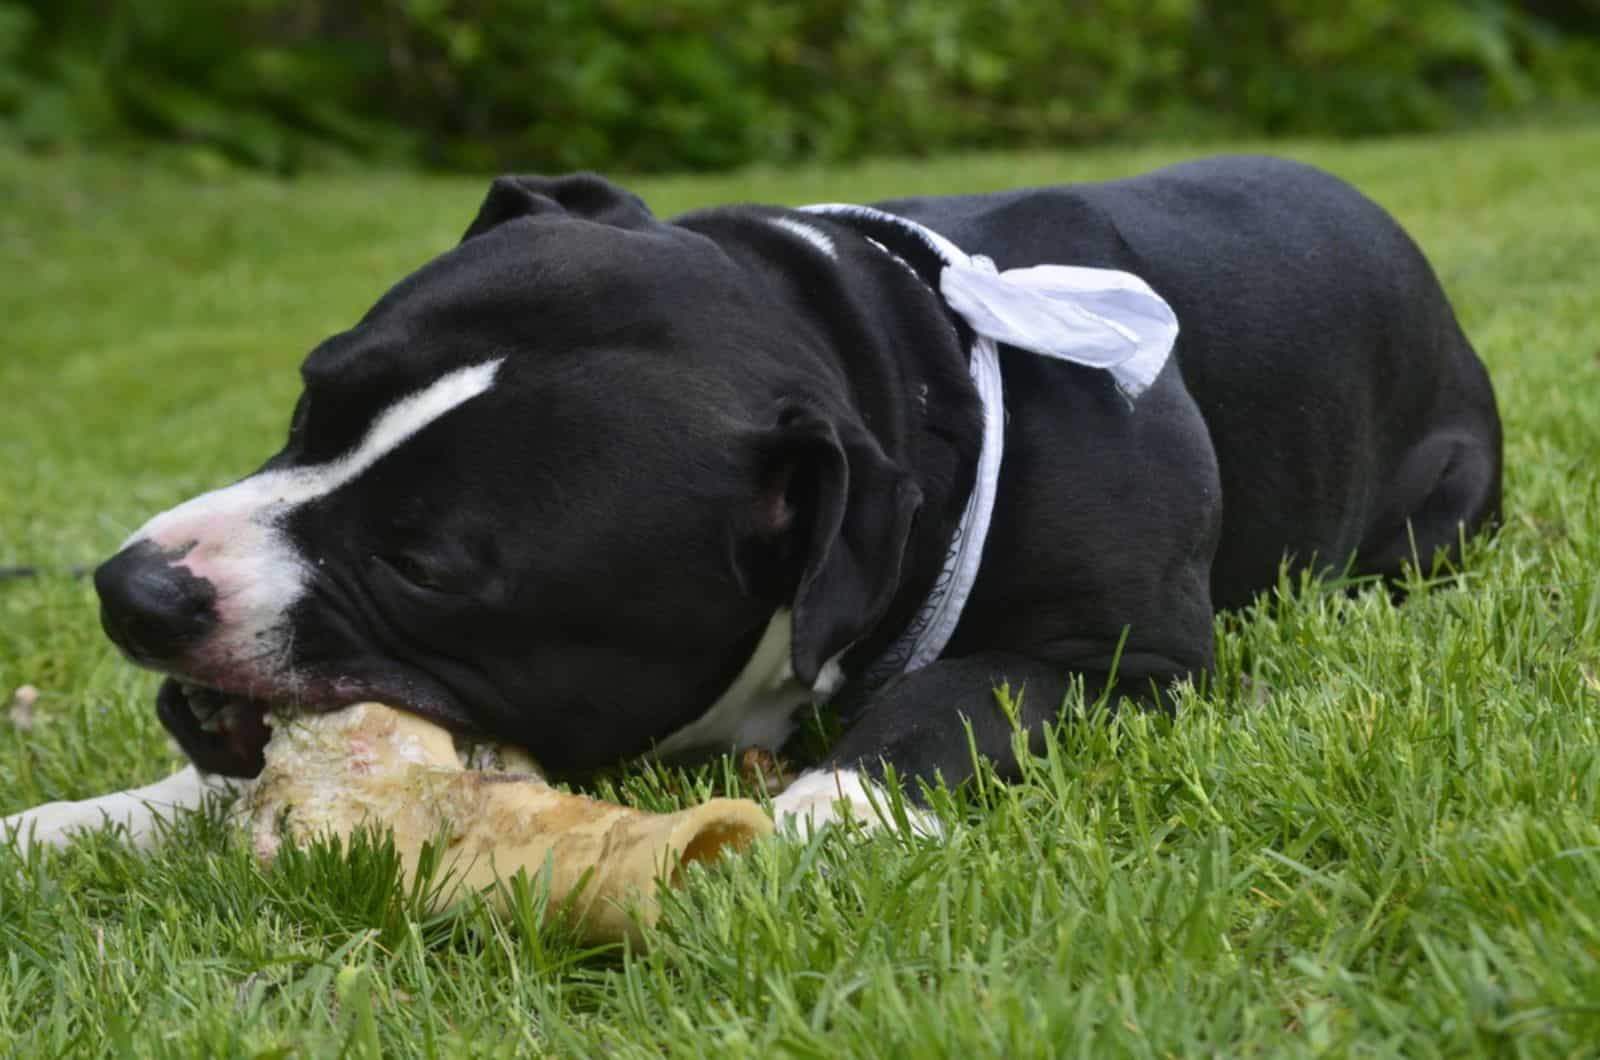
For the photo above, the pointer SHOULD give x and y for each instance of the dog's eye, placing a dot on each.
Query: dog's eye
(414, 571)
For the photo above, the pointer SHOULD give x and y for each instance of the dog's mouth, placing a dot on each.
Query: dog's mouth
(216, 711)
(221, 732)
(224, 731)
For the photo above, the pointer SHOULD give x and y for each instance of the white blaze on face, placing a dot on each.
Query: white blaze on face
(233, 538)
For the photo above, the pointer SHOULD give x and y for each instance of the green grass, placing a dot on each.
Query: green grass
(1385, 841)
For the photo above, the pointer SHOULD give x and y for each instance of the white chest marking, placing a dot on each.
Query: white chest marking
(758, 708)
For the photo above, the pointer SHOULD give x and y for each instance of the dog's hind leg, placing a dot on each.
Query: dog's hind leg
(1446, 489)
(1446, 486)
(140, 812)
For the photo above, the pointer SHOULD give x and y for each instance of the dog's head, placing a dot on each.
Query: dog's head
(552, 489)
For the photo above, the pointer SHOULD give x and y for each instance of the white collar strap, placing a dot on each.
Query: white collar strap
(1102, 318)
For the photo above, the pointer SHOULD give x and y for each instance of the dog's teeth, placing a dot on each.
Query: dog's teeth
(216, 722)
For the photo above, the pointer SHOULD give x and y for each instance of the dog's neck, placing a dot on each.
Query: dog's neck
(884, 331)
(896, 304)
(906, 355)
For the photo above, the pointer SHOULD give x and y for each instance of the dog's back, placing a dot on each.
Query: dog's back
(1340, 394)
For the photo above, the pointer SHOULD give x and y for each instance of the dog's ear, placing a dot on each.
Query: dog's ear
(831, 505)
(578, 194)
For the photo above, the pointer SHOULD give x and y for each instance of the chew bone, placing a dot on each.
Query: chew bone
(370, 764)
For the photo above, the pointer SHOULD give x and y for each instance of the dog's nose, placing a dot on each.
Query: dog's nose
(152, 609)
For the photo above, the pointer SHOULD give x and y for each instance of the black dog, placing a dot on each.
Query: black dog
(596, 484)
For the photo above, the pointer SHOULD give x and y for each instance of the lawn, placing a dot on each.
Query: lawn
(1378, 832)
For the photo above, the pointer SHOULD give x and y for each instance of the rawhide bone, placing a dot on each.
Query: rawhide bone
(329, 774)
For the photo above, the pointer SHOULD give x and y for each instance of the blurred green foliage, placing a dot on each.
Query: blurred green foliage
(704, 84)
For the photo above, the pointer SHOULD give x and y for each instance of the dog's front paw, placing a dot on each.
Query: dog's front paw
(140, 814)
(823, 797)
(54, 824)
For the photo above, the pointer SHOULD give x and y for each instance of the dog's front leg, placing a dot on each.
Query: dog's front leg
(918, 725)
(140, 812)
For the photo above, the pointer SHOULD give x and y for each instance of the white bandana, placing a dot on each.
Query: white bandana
(1102, 318)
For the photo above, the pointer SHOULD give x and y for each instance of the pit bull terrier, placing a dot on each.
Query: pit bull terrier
(602, 485)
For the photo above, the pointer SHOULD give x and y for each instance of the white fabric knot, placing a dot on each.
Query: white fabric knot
(1102, 318)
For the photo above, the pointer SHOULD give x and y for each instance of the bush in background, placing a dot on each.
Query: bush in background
(705, 84)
